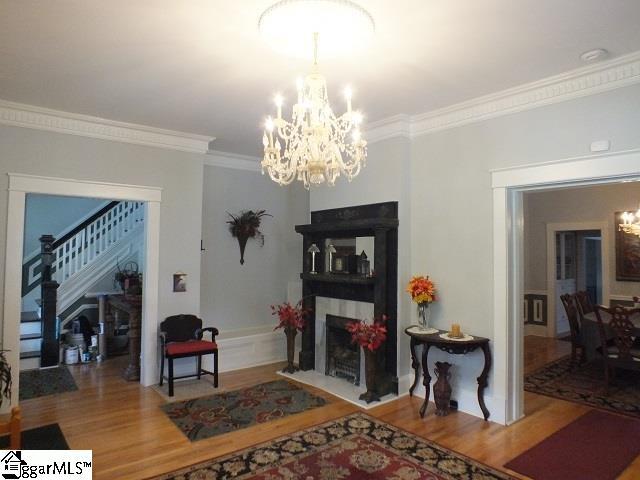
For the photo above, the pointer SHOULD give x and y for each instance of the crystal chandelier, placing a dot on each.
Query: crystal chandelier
(630, 222)
(315, 146)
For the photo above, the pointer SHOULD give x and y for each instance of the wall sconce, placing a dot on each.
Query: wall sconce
(313, 249)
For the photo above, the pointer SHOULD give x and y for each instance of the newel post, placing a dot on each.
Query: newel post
(50, 350)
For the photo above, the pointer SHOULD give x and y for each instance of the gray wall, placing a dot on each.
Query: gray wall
(235, 296)
(452, 204)
(52, 214)
(589, 204)
(179, 174)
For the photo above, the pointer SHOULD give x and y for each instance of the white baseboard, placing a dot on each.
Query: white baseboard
(240, 352)
(467, 399)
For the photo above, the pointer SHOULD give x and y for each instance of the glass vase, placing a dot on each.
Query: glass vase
(424, 314)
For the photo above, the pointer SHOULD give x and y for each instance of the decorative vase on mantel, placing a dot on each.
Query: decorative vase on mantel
(424, 315)
(291, 333)
(370, 369)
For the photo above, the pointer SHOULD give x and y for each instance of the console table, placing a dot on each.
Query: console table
(456, 347)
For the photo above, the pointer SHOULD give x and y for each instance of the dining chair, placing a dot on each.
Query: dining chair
(618, 339)
(583, 302)
(181, 337)
(569, 303)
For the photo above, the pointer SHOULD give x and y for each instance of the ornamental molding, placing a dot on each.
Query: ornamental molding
(30, 116)
(216, 158)
(590, 80)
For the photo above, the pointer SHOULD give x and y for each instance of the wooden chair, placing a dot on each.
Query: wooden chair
(583, 302)
(569, 303)
(12, 427)
(181, 337)
(619, 348)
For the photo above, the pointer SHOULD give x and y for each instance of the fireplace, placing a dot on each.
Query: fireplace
(342, 356)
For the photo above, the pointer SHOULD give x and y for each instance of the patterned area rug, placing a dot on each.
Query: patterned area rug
(353, 447)
(585, 384)
(206, 417)
(49, 381)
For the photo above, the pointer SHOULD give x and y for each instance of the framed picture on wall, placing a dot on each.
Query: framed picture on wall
(180, 282)
(627, 254)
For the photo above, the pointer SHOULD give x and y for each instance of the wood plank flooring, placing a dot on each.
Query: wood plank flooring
(132, 438)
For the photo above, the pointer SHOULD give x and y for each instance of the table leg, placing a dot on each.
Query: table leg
(427, 379)
(415, 364)
(482, 379)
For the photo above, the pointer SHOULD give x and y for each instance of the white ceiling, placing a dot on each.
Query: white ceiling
(200, 66)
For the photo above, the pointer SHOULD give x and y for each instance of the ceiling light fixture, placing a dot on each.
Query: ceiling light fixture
(594, 55)
(316, 146)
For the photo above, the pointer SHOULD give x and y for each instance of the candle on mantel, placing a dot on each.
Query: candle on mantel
(455, 330)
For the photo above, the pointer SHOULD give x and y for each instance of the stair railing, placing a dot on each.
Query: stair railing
(81, 245)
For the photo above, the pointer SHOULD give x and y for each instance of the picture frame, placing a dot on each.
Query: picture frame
(179, 282)
(627, 254)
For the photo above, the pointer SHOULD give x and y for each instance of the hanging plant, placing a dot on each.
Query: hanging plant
(246, 225)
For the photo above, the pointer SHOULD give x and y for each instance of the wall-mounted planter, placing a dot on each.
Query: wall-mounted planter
(246, 225)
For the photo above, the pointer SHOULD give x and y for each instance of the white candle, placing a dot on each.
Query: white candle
(278, 102)
(348, 94)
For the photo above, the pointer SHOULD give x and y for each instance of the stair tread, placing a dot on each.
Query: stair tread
(30, 336)
(32, 354)
(26, 317)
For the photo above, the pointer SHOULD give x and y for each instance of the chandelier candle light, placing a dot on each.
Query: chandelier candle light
(315, 146)
(630, 222)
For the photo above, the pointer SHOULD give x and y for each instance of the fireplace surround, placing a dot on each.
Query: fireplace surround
(379, 221)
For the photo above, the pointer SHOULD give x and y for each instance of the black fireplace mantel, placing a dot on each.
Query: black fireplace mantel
(380, 221)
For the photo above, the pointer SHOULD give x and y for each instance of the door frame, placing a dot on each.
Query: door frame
(552, 229)
(508, 185)
(19, 186)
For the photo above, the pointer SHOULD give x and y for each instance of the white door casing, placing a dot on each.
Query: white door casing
(508, 185)
(19, 186)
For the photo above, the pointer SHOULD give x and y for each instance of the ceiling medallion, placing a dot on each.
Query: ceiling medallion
(315, 146)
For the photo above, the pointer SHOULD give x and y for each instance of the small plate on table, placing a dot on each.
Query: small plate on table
(462, 338)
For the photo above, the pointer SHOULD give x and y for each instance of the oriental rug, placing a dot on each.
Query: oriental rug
(585, 384)
(47, 381)
(213, 415)
(596, 446)
(352, 447)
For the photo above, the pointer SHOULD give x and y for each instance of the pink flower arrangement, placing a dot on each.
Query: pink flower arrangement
(368, 335)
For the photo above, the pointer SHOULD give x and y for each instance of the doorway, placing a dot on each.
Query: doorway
(19, 186)
(508, 187)
(68, 313)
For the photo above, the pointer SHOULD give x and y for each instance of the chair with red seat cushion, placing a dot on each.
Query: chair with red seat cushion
(181, 337)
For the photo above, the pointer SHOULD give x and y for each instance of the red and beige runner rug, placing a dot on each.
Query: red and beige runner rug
(352, 447)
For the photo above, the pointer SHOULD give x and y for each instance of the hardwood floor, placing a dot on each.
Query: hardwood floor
(131, 438)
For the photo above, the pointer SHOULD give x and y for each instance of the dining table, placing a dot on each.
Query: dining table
(591, 334)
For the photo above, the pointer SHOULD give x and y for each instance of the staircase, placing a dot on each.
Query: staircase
(86, 255)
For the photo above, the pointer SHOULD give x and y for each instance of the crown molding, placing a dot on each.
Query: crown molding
(30, 116)
(216, 158)
(396, 126)
(590, 80)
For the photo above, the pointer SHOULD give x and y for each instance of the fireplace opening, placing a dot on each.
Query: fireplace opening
(343, 357)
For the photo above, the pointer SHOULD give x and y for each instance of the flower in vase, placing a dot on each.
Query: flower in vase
(369, 336)
(289, 316)
(422, 289)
